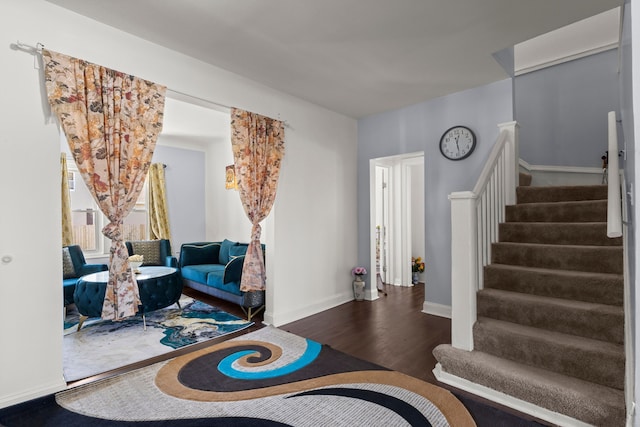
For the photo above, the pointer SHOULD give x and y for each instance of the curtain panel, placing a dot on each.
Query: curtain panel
(67, 230)
(111, 121)
(258, 147)
(158, 207)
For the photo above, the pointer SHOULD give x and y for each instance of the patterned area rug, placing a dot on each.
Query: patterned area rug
(266, 378)
(101, 346)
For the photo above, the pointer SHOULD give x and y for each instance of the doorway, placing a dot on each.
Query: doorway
(397, 217)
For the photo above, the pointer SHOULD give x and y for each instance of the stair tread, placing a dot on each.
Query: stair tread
(553, 232)
(560, 302)
(560, 193)
(555, 271)
(551, 245)
(571, 341)
(601, 362)
(580, 399)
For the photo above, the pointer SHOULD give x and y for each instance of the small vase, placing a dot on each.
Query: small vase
(415, 279)
(358, 288)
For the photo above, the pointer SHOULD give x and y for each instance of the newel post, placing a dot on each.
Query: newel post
(512, 153)
(464, 268)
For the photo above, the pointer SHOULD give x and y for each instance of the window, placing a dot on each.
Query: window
(88, 220)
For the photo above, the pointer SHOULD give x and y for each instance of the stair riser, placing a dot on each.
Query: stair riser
(593, 364)
(593, 288)
(560, 194)
(578, 258)
(595, 211)
(590, 403)
(593, 234)
(594, 322)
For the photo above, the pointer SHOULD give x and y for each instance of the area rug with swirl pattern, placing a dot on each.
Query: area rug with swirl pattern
(264, 378)
(103, 345)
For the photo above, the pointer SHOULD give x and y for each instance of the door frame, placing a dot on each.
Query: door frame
(399, 217)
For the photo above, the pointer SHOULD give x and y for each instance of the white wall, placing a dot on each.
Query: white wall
(418, 128)
(417, 212)
(311, 232)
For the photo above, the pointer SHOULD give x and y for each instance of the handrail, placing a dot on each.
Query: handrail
(614, 198)
(475, 216)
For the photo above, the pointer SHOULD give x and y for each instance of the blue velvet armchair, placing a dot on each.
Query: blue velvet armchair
(75, 266)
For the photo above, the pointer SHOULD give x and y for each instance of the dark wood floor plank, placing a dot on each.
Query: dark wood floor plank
(391, 331)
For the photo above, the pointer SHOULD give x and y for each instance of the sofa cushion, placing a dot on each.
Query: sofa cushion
(226, 245)
(199, 273)
(68, 270)
(199, 254)
(150, 250)
(236, 251)
(215, 279)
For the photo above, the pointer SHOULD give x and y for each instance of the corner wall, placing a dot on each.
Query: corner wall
(311, 232)
(419, 128)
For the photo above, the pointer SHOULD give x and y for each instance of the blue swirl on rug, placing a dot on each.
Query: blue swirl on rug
(226, 365)
(202, 372)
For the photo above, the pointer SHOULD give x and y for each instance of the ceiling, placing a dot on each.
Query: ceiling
(355, 57)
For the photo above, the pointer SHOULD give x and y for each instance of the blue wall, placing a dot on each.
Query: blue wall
(419, 128)
(562, 111)
(185, 176)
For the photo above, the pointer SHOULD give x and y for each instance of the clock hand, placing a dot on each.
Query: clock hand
(457, 145)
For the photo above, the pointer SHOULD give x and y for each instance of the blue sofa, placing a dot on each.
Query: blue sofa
(75, 266)
(215, 268)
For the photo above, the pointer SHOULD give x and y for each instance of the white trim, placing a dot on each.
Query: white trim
(567, 58)
(561, 169)
(303, 311)
(43, 390)
(628, 320)
(439, 310)
(506, 400)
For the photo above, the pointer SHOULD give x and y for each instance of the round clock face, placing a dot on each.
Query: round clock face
(457, 143)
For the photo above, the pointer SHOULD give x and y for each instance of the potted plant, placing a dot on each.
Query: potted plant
(358, 284)
(417, 266)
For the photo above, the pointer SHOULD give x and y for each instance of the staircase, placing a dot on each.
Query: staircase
(550, 323)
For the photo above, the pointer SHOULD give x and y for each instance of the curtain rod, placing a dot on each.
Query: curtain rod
(179, 96)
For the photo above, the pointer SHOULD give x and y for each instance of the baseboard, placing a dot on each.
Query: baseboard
(506, 400)
(545, 175)
(439, 310)
(303, 311)
(41, 391)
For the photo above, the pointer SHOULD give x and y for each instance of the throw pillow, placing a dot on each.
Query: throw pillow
(236, 251)
(224, 251)
(199, 254)
(149, 249)
(68, 270)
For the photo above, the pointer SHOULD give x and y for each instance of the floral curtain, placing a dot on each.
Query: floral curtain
(158, 209)
(111, 121)
(258, 148)
(67, 230)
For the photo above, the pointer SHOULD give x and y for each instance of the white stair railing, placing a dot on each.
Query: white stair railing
(614, 198)
(475, 216)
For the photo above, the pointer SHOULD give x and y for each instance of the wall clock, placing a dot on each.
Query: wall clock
(457, 143)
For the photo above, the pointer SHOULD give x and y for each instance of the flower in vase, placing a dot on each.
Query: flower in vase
(358, 271)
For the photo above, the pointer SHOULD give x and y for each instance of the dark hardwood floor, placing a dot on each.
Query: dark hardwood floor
(391, 331)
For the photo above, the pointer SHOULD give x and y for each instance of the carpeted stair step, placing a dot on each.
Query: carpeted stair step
(599, 259)
(585, 211)
(603, 288)
(558, 233)
(585, 319)
(561, 193)
(591, 403)
(590, 360)
(524, 179)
